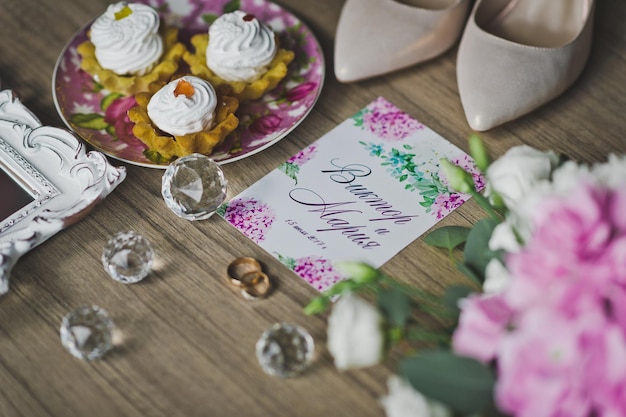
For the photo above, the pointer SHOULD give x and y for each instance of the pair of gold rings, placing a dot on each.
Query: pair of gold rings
(247, 275)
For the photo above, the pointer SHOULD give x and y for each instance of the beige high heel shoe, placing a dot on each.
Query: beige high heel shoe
(375, 37)
(516, 55)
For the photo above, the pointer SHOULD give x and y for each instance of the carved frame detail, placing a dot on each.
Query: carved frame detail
(52, 164)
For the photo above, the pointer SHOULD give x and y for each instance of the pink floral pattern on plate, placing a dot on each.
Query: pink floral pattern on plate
(87, 109)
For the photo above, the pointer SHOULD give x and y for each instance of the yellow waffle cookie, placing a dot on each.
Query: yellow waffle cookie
(241, 90)
(133, 84)
(163, 148)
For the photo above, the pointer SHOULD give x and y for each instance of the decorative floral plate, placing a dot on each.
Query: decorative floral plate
(99, 116)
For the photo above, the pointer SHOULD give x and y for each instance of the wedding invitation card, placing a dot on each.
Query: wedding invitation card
(362, 192)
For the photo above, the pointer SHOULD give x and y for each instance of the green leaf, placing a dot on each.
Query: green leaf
(477, 253)
(469, 272)
(108, 99)
(462, 383)
(231, 6)
(156, 157)
(396, 305)
(358, 117)
(110, 129)
(360, 272)
(291, 170)
(448, 237)
(459, 179)
(428, 336)
(427, 187)
(97, 87)
(287, 261)
(453, 294)
(316, 305)
(221, 210)
(478, 152)
(89, 121)
(428, 202)
(342, 287)
(209, 18)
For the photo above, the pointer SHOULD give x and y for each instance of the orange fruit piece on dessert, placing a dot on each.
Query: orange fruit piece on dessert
(184, 88)
(163, 147)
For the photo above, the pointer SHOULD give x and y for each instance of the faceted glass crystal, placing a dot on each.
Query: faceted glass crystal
(194, 187)
(128, 257)
(285, 350)
(87, 332)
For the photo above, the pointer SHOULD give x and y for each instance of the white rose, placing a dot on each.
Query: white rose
(505, 237)
(517, 171)
(568, 177)
(613, 172)
(405, 401)
(355, 335)
(571, 175)
(496, 277)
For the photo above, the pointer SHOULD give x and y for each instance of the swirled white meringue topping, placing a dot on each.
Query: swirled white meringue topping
(129, 44)
(240, 47)
(180, 115)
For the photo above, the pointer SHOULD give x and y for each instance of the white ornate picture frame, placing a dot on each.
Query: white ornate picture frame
(48, 170)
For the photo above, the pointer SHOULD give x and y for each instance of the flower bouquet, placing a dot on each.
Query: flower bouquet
(541, 328)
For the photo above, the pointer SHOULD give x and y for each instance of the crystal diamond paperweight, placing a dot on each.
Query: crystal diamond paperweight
(194, 187)
(128, 257)
(285, 350)
(87, 332)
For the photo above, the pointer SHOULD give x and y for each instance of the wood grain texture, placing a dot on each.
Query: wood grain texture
(186, 342)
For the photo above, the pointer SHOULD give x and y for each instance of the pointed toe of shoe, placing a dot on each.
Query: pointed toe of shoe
(501, 80)
(478, 120)
(488, 96)
(375, 37)
(357, 64)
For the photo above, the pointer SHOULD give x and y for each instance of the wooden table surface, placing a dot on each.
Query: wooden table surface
(187, 346)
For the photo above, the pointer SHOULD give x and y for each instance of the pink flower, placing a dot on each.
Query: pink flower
(541, 367)
(569, 253)
(388, 122)
(265, 125)
(481, 327)
(467, 163)
(616, 258)
(444, 204)
(317, 271)
(116, 115)
(605, 369)
(557, 333)
(300, 91)
(616, 207)
(252, 217)
(303, 156)
(615, 305)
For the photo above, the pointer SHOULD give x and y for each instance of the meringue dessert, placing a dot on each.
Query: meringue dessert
(241, 52)
(185, 116)
(128, 49)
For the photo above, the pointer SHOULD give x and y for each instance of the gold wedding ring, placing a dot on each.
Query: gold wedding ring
(240, 267)
(247, 275)
(256, 285)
